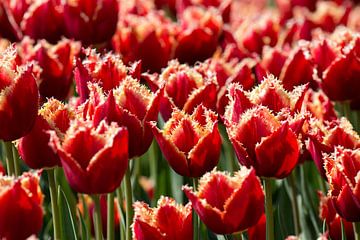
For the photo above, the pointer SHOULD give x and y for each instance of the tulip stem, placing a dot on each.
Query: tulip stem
(294, 203)
(9, 159)
(128, 198)
(54, 204)
(195, 216)
(343, 233)
(120, 201)
(97, 218)
(269, 210)
(16, 161)
(110, 217)
(356, 230)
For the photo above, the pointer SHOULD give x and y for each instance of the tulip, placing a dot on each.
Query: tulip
(94, 159)
(2, 169)
(328, 213)
(262, 141)
(90, 21)
(190, 143)
(319, 105)
(258, 231)
(131, 105)
(228, 204)
(36, 19)
(20, 206)
(168, 221)
(324, 139)
(196, 88)
(18, 98)
(56, 62)
(342, 168)
(198, 35)
(143, 38)
(34, 147)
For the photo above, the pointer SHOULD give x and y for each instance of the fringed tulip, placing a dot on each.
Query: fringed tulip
(94, 159)
(34, 147)
(168, 221)
(90, 21)
(262, 141)
(131, 105)
(328, 213)
(56, 62)
(342, 170)
(324, 138)
(228, 204)
(190, 143)
(20, 206)
(19, 98)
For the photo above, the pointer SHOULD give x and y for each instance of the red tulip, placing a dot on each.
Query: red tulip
(56, 62)
(324, 138)
(94, 159)
(20, 206)
(258, 231)
(342, 171)
(36, 19)
(90, 21)
(34, 147)
(198, 35)
(18, 98)
(190, 143)
(131, 105)
(262, 140)
(184, 88)
(319, 105)
(107, 70)
(2, 169)
(339, 59)
(228, 204)
(328, 213)
(143, 38)
(168, 221)
(286, 6)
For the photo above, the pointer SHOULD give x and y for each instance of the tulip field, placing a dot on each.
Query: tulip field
(180, 119)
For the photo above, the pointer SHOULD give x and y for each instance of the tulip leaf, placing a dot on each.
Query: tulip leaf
(66, 216)
(84, 229)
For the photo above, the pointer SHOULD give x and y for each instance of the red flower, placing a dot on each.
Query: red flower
(262, 140)
(131, 105)
(319, 105)
(34, 147)
(143, 38)
(258, 231)
(18, 98)
(169, 221)
(20, 206)
(90, 21)
(108, 71)
(56, 62)
(184, 88)
(94, 159)
(324, 139)
(198, 35)
(2, 169)
(340, 64)
(342, 170)
(228, 204)
(328, 213)
(190, 143)
(36, 19)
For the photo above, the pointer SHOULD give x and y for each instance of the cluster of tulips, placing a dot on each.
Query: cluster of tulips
(179, 119)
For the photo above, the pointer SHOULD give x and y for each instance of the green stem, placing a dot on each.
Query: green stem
(16, 161)
(120, 200)
(343, 233)
(97, 218)
(110, 217)
(195, 216)
(269, 210)
(356, 226)
(9, 158)
(54, 203)
(129, 209)
(294, 203)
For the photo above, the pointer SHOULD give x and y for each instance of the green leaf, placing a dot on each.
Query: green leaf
(66, 217)
(84, 229)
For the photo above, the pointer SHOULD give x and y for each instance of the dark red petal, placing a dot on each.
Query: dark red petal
(347, 205)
